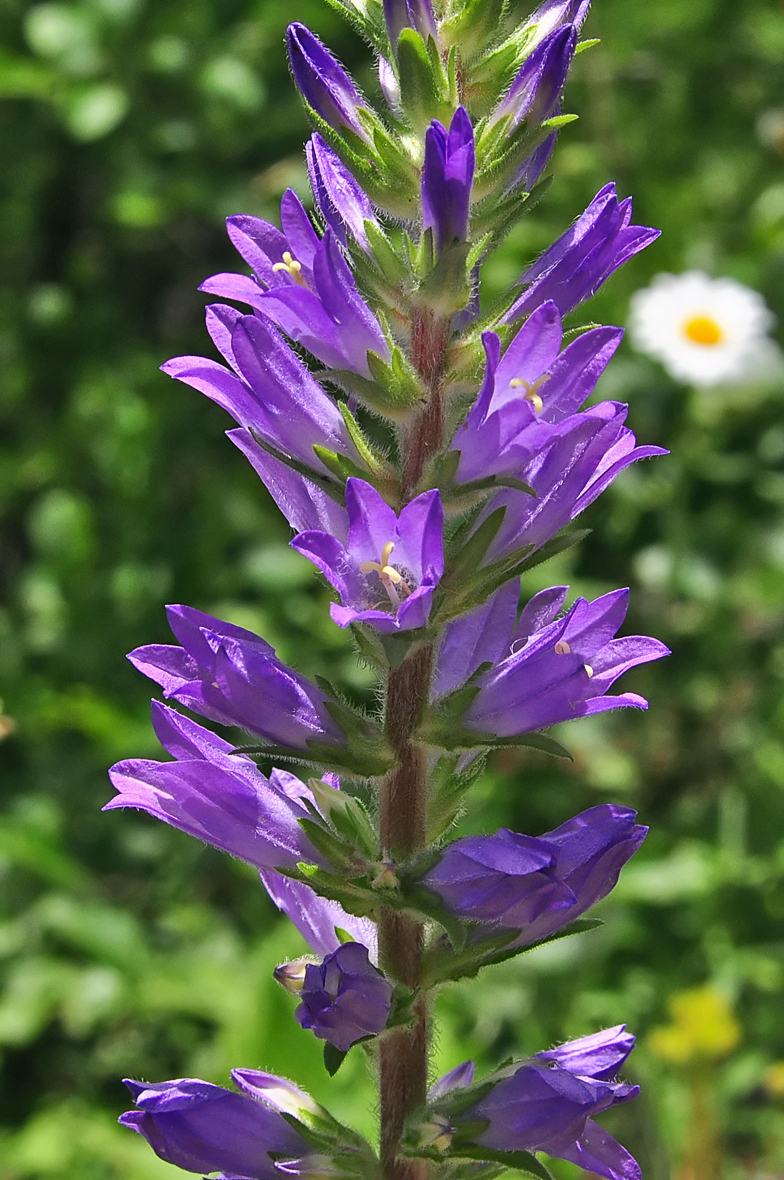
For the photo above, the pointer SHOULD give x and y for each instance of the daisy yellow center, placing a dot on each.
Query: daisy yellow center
(391, 579)
(703, 329)
(292, 267)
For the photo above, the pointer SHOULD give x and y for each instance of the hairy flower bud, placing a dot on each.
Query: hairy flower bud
(322, 81)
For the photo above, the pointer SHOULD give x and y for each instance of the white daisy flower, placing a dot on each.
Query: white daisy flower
(704, 331)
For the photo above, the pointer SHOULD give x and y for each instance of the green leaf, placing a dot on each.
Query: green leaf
(373, 460)
(333, 1059)
(424, 88)
(521, 1161)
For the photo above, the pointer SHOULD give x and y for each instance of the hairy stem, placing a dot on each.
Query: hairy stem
(424, 437)
(404, 1051)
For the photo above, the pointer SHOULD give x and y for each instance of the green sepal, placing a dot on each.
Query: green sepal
(317, 1126)
(354, 894)
(347, 815)
(373, 459)
(424, 87)
(474, 24)
(340, 854)
(587, 44)
(466, 552)
(339, 465)
(366, 20)
(521, 1161)
(398, 382)
(447, 287)
(446, 791)
(441, 964)
(333, 1058)
(500, 171)
(390, 264)
(402, 1011)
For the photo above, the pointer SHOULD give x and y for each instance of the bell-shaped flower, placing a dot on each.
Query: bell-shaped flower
(530, 395)
(549, 1104)
(268, 389)
(409, 14)
(234, 677)
(323, 82)
(536, 884)
(345, 998)
(574, 267)
(551, 670)
(447, 179)
(217, 795)
(342, 202)
(389, 567)
(536, 90)
(204, 1128)
(302, 282)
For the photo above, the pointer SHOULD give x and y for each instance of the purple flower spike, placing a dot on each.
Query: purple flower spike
(232, 676)
(388, 569)
(534, 94)
(549, 1103)
(409, 14)
(216, 795)
(323, 83)
(204, 1128)
(268, 389)
(541, 884)
(345, 998)
(302, 282)
(447, 178)
(553, 671)
(575, 267)
(342, 203)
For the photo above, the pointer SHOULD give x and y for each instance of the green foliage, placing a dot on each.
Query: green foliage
(130, 129)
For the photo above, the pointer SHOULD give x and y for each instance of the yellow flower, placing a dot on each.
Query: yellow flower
(703, 1028)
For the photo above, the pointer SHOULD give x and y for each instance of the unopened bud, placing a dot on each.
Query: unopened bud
(292, 975)
(385, 877)
(438, 1133)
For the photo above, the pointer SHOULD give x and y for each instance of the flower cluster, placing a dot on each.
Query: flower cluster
(425, 455)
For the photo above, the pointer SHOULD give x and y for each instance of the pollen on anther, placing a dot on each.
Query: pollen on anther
(588, 670)
(292, 267)
(562, 648)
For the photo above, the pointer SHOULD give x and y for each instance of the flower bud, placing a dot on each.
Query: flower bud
(292, 975)
(412, 14)
(322, 81)
(447, 179)
(345, 998)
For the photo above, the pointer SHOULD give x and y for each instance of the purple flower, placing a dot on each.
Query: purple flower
(345, 998)
(270, 391)
(530, 395)
(534, 94)
(204, 1128)
(553, 669)
(411, 14)
(389, 566)
(216, 795)
(342, 203)
(549, 1103)
(575, 266)
(541, 884)
(323, 83)
(302, 282)
(232, 676)
(447, 178)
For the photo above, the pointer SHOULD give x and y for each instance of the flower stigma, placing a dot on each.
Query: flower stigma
(292, 267)
(531, 388)
(391, 579)
(703, 329)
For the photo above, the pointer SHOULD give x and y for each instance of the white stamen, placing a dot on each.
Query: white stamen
(292, 267)
(562, 648)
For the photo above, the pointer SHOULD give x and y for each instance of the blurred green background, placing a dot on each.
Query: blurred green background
(130, 129)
